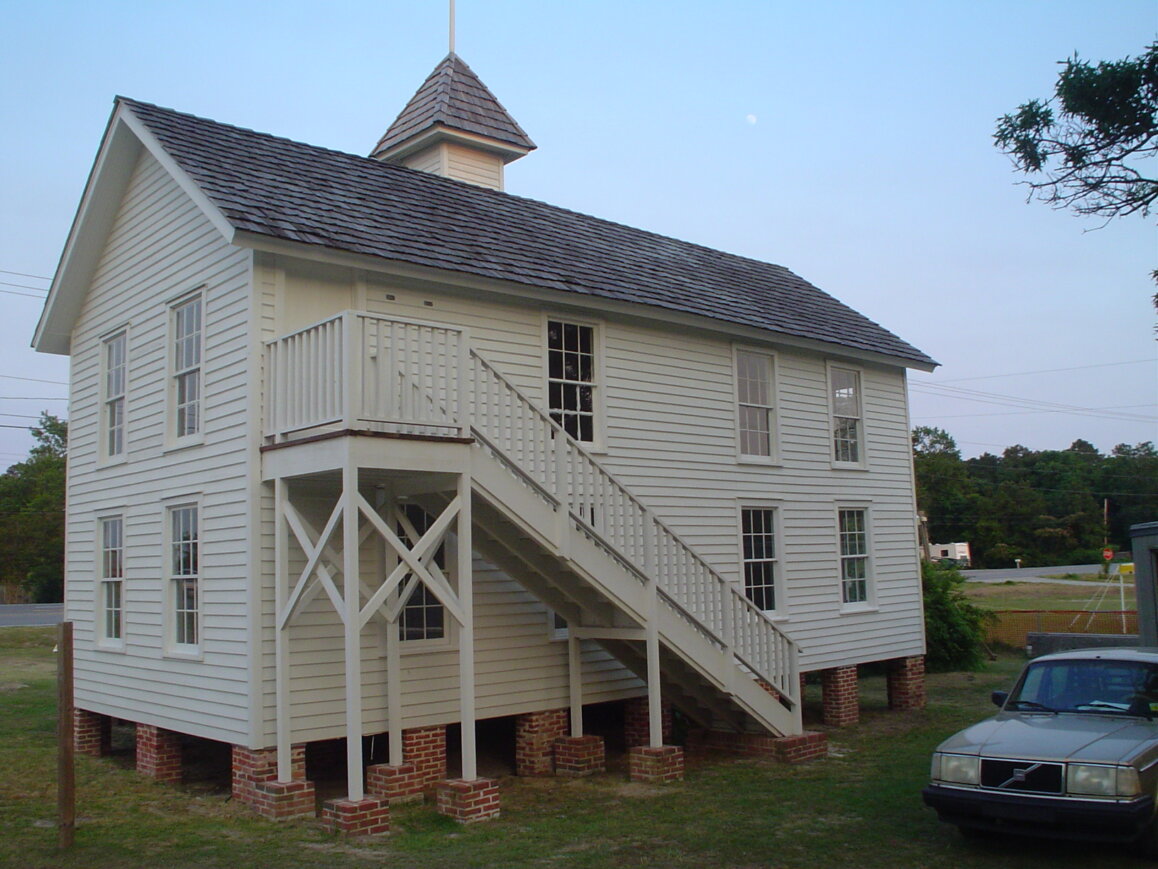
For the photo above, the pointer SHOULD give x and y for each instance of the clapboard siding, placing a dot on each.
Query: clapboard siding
(160, 247)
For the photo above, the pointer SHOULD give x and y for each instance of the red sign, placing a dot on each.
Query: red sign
(1107, 554)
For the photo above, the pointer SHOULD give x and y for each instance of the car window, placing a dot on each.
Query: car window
(1088, 686)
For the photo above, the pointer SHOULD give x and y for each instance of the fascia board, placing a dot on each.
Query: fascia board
(103, 191)
(471, 285)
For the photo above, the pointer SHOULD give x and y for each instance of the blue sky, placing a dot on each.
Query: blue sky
(850, 142)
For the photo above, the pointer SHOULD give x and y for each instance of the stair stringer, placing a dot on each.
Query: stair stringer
(531, 516)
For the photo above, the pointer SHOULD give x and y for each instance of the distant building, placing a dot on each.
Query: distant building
(958, 553)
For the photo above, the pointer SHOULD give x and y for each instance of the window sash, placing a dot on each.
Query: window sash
(846, 415)
(854, 556)
(754, 396)
(115, 355)
(758, 542)
(571, 378)
(184, 574)
(112, 577)
(187, 333)
(423, 617)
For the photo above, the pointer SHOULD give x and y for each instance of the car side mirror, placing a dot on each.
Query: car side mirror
(999, 698)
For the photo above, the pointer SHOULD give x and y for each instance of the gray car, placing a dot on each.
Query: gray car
(1072, 754)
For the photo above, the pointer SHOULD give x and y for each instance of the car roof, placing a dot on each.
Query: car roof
(1115, 653)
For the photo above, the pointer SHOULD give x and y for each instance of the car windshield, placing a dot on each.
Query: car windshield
(1087, 685)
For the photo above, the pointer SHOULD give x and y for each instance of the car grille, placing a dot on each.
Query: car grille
(1022, 775)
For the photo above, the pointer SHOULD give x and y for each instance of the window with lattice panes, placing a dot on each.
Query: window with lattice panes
(423, 617)
(571, 378)
(185, 574)
(758, 540)
(755, 408)
(112, 576)
(847, 419)
(186, 367)
(114, 360)
(854, 556)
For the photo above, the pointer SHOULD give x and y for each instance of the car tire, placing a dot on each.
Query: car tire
(1147, 844)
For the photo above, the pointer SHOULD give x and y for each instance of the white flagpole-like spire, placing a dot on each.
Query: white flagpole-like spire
(452, 26)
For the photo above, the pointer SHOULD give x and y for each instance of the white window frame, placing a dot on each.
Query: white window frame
(178, 579)
(110, 585)
(598, 428)
(744, 402)
(114, 396)
(838, 413)
(864, 558)
(449, 637)
(186, 360)
(775, 560)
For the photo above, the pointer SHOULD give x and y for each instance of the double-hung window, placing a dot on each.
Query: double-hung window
(112, 576)
(186, 366)
(755, 404)
(855, 569)
(423, 617)
(185, 575)
(571, 378)
(758, 544)
(114, 359)
(847, 415)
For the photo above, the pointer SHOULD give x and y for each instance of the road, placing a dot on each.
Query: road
(30, 614)
(1038, 574)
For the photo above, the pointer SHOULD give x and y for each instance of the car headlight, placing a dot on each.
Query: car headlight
(1102, 781)
(957, 768)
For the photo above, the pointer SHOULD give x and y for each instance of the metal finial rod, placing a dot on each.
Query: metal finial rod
(452, 26)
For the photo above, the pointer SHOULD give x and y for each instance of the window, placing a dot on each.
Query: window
(844, 384)
(754, 402)
(423, 617)
(184, 574)
(571, 378)
(112, 577)
(854, 556)
(186, 384)
(113, 362)
(758, 542)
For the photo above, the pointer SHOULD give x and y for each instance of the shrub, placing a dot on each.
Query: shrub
(954, 628)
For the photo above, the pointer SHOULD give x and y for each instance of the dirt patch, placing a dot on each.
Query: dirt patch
(9, 687)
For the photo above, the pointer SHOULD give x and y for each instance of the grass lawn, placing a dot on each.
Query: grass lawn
(859, 807)
(1048, 595)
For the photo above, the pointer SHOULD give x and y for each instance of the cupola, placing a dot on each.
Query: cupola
(453, 126)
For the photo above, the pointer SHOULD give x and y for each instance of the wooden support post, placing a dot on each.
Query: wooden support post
(280, 635)
(466, 633)
(351, 570)
(575, 677)
(654, 700)
(65, 767)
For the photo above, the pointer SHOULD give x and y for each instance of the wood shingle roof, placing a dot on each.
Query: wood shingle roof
(287, 190)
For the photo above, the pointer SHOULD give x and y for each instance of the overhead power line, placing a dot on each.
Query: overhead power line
(25, 275)
(34, 380)
(24, 286)
(1046, 371)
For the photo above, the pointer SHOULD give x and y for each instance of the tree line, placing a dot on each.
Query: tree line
(1040, 506)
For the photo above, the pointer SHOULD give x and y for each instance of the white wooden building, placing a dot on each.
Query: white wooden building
(366, 446)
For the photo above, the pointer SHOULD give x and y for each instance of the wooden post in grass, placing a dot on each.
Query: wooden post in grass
(65, 770)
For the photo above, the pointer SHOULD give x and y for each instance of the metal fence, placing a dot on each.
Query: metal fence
(1009, 627)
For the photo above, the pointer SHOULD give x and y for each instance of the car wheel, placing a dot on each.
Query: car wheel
(1147, 843)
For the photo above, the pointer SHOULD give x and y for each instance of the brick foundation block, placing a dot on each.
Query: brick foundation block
(365, 817)
(840, 696)
(577, 756)
(535, 735)
(158, 753)
(92, 733)
(468, 801)
(280, 801)
(906, 684)
(399, 783)
(809, 745)
(655, 765)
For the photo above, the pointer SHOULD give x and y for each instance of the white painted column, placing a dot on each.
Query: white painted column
(352, 599)
(280, 636)
(654, 700)
(575, 677)
(466, 632)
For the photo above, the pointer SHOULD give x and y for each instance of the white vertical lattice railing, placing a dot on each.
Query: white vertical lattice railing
(361, 371)
(521, 435)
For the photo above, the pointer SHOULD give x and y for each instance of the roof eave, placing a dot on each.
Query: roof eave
(439, 132)
(575, 300)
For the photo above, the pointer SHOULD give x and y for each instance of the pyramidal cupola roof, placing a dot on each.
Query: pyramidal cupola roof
(453, 104)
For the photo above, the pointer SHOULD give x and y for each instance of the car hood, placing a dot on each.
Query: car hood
(1066, 736)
